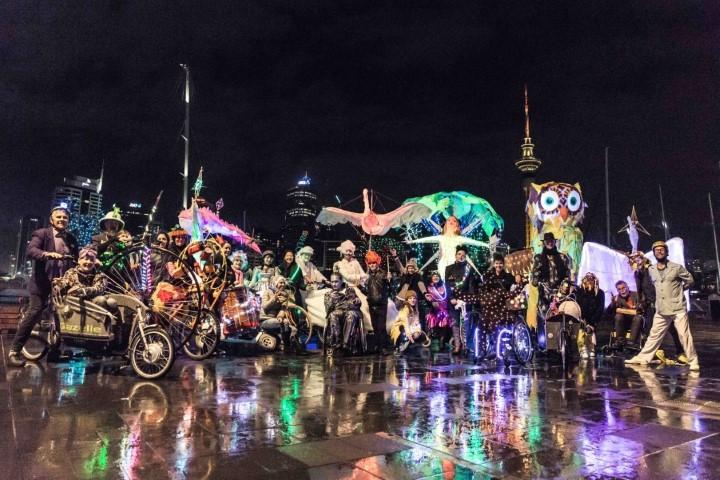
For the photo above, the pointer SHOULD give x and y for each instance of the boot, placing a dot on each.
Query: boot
(15, 360)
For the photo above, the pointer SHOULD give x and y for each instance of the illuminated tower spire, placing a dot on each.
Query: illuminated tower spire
(528, 164)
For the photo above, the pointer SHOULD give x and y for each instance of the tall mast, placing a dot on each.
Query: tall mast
(717, 255)
(666, 229)
(607, 198)
(186, 133)
(102, 175)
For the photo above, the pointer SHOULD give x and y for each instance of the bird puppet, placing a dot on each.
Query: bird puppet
(375, 223)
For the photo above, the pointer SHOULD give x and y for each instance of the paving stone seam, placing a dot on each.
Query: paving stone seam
(475, 467)
(679, 445)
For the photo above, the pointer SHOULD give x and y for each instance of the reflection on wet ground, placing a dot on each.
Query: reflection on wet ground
(356, 418)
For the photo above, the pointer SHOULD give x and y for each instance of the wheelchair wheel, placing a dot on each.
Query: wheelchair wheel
(36, 347)
(522, 343)
(503, 344)
(204, 339)
(304, 330)
(267, 342)
(163, 281)
(481, 344)
(151, 355)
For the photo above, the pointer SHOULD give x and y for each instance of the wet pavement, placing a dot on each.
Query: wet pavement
(412, 417)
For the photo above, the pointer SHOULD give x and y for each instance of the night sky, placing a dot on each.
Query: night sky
(408, 98)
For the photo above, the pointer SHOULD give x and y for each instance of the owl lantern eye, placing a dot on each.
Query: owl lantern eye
(549, 200)
(574, 202)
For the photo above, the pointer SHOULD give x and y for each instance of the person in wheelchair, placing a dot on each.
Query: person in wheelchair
(278, 303)
(591, 299)
(342, 307)
(407, 329)
(494, 294)
(627, 313)
(566, 291)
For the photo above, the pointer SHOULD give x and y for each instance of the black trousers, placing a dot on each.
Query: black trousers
(636, 324)
(378, 318)
(28, 321)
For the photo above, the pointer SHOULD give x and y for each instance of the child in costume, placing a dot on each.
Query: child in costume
(82, 281)
(438, 319)
(262, 274)
(407, 328)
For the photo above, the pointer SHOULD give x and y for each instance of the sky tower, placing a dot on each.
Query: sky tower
(527, 165)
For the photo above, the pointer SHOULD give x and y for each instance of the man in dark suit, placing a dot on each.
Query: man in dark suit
(460, 279)
(49, 248)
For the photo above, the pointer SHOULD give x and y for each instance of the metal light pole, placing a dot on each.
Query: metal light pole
(717, 256)
(662, 212)
(607, 198)
(186, 134)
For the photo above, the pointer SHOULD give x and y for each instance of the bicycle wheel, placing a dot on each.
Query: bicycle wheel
(35, 348)
(164, 282)
(522, 342)
(151, 355)
(204, 339)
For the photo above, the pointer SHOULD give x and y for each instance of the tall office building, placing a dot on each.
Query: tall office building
(82, 195)
(300, 213)
(83, 198)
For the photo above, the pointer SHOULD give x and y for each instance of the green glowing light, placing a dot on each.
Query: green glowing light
(98, 462)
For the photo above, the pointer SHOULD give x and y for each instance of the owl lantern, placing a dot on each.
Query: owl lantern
(557, 208)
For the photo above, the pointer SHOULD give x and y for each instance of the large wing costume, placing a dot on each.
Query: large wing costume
(465, 206)
(375, 223)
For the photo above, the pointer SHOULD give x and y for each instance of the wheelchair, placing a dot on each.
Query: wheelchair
(622, 346)
(559, 324)
(511, 340)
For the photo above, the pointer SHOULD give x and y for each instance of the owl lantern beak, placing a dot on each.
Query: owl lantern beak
(564, 213)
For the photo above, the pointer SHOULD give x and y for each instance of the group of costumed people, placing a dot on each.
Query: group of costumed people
(367, 308)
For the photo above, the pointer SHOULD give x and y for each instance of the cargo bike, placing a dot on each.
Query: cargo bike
(151, 305)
